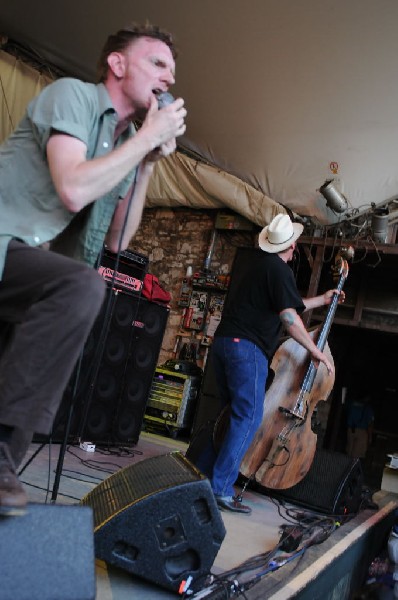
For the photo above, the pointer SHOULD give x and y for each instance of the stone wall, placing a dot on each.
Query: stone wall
(176, 238)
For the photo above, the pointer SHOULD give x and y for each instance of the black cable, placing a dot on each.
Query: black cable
(121, 452)
(309, 527)
(91, 478)
(38, 487)
(6, 104)
(73, 477)
(96, 465)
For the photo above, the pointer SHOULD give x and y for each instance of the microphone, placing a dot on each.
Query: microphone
(164, 99)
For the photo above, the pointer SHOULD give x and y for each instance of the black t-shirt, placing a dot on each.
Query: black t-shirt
(252, 308)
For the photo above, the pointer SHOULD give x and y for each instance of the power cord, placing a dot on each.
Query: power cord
(303, 530)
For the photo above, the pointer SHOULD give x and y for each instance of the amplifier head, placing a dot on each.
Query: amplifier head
(126, 271)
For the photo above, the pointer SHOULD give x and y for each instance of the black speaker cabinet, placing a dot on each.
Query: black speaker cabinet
(157, 519)
(115, 375)
(333, 485)
(48, 553)
(208, 406)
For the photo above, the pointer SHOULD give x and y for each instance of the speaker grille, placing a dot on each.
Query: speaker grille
(128, 486)
(333, 485)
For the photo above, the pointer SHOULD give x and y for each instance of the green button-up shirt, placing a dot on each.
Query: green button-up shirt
(30, 209)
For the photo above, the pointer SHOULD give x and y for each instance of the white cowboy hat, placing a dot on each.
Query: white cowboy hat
(279, 234)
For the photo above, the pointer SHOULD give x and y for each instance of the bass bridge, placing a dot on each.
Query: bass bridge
(291, 413)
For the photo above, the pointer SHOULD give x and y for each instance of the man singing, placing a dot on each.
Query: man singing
(73, 175)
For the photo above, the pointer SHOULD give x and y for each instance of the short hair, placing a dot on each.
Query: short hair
(120, 40)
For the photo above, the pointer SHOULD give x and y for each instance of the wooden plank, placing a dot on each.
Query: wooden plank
(327, 558)
(360, 301)
(314, 280)
(356, 244)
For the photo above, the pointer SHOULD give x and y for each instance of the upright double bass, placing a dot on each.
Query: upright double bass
(283, 448)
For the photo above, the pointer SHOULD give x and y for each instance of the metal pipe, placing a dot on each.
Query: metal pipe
(210, 250)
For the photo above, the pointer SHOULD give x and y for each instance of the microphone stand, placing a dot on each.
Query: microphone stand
(61, 456)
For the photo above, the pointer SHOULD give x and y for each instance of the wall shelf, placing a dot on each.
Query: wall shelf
(371, 287)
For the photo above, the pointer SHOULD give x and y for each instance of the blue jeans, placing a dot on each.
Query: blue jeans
(241, 371)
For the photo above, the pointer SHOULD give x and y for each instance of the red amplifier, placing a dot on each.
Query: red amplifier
(127, 272)
(121, 280)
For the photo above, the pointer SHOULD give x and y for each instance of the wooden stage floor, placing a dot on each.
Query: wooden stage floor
(329, 569)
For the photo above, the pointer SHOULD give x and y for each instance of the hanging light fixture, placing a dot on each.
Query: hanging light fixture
(380, 223)
(334, 198)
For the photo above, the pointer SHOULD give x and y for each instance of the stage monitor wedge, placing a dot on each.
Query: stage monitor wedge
(157, 519)
(333, 485)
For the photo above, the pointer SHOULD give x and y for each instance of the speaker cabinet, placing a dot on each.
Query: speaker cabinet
(157, 519)
(333, 485)
(48, 553)
(208, 405)
(115, 375)
(128, 357)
